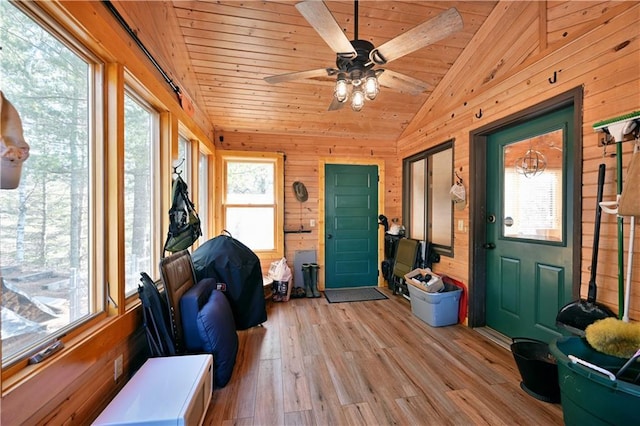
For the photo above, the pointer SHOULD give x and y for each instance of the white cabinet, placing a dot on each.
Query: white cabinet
(165, 391)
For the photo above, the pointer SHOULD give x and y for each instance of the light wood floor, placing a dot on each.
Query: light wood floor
(370, 363)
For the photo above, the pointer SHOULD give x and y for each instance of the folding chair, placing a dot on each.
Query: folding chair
(405, 262)
(155, 318)
(178, 276)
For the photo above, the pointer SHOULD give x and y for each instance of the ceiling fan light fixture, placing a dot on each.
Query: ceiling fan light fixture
(371, 87)
(341, 92)
(357, 98)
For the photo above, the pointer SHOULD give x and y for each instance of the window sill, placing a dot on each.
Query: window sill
(79, 345)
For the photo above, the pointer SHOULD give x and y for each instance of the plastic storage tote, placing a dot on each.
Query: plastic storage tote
(436, 309)
(589, 397)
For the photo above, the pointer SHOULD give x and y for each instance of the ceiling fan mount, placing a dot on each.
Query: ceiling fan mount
(356, 77)
(363, 49)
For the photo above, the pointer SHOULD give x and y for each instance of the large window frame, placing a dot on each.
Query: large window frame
(258, 158)
(428, 208)
(89, 245)
(115, 311)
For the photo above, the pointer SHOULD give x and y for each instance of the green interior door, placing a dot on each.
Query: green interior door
(351, 226)
(528, 225)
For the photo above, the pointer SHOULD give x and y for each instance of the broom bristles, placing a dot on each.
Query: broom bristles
(614, 337)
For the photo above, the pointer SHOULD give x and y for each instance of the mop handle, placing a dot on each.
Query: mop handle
(607, 373)
(628, 363)
(632, 231)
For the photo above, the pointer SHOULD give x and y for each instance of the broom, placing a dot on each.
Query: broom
(614, 337)
(611, 335)
(618, 127)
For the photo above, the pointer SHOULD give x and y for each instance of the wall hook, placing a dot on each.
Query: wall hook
(175, 169)
(479, 113)
(553, 79)
(458, 178)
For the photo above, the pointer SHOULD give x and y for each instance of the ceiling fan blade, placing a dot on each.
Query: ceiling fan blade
(298, 75)
(321, 19)
(335, 105)
(428, 32)
(401, 82)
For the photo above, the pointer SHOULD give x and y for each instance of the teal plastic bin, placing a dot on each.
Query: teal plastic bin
(589, 397)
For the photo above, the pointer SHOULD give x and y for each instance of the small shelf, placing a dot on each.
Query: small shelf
(298, 231)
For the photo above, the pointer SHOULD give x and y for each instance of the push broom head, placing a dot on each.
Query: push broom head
(614, 337)
(619, 126)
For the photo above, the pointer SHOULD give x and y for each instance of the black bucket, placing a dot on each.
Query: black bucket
(538, 369)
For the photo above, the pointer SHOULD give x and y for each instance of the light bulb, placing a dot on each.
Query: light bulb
(371, 85)
(342, 90)
(357, 99)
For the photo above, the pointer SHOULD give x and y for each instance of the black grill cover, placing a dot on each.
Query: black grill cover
(229, 261)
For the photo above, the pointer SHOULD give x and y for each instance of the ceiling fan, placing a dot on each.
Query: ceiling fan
(356, 74)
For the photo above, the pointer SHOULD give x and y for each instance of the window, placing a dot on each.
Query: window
(252, 199)
(141, 132)
(203, 195)
(48, 222)
(428, 214)
(183, 163)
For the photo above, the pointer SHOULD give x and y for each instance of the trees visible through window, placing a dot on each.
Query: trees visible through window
(252, 199)
(141, 130)
(203, 195)
(46, 223)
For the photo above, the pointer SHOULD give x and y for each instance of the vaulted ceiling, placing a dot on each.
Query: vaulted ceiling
(219, 53)
(231, 46)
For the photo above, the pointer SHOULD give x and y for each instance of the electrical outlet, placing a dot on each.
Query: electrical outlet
(312, 223)
(460, 225)
(118, 367)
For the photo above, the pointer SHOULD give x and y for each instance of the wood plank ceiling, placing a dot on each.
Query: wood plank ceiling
(233, 45)
(219, 52)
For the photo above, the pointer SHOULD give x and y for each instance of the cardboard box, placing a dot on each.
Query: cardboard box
(436, 309)
(433, 285)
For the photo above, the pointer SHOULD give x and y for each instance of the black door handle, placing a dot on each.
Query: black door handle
(329, 236)
(489, 246)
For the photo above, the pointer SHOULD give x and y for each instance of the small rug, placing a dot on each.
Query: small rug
(353, 294)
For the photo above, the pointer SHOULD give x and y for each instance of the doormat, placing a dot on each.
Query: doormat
(353, 294)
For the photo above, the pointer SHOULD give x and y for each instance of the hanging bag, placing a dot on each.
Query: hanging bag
(184, 223)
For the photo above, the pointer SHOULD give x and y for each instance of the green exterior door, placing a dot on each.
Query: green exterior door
(528, 225)
(351, 226)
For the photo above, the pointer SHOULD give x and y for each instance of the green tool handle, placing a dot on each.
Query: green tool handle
(620, 233)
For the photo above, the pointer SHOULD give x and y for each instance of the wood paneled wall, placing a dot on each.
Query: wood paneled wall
(510, 74)
(77, 384)
(302, 155)
(599, 53)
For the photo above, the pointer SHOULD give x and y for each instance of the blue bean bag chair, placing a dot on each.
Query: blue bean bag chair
(208, 326)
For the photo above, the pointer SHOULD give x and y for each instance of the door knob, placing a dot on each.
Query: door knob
(329, 236)
(489, 246)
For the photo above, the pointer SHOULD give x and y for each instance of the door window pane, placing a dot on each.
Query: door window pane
(533, 180)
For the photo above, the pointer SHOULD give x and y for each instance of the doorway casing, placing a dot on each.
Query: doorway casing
(321, 208)
(477, 169)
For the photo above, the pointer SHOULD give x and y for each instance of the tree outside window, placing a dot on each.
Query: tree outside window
(252, 199)
(46, 223)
